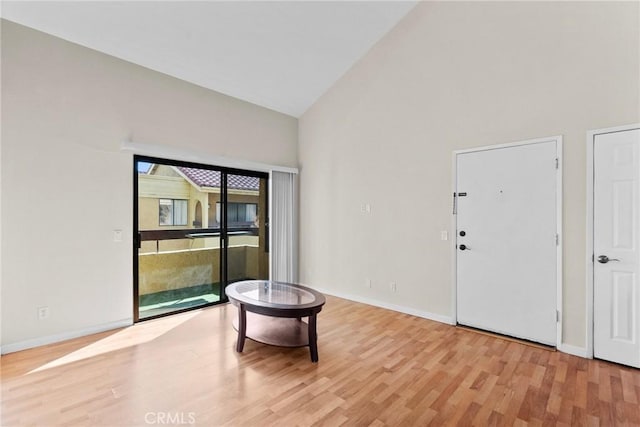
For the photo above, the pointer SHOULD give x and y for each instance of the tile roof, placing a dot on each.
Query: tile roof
(210, 178)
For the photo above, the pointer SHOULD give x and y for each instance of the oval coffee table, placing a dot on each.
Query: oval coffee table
(275, 311)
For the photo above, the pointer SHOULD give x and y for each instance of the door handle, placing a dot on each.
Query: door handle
(603, 259)
(464, 247)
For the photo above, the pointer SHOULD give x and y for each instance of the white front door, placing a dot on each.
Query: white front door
(616, 215)
(506, 262)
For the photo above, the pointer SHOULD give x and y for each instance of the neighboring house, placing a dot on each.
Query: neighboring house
(173, 197)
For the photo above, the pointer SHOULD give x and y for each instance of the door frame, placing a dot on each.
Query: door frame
(454, 226)
(591, 136)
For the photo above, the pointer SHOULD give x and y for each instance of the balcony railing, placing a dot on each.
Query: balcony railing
(192, 233)
(183, 266)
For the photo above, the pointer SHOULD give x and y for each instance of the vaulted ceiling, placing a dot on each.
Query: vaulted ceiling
(280, 55)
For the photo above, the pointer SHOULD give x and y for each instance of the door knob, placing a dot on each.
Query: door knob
(463, 233)
(463, 247)
(603, 259)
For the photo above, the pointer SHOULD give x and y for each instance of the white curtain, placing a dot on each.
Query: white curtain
(284, 227)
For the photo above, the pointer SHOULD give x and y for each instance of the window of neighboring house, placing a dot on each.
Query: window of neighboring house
(173, 212)
(239, 213)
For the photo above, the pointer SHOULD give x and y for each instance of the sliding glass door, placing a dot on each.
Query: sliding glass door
(247, 249)
(198, 228)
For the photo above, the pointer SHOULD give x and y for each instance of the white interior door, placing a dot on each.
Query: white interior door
(506, 262)
(616, 294)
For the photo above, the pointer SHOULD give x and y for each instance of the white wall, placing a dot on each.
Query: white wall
(451, 76)
(0, 194)
(66, 184)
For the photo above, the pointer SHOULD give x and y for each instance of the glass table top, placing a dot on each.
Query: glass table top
(261, 292)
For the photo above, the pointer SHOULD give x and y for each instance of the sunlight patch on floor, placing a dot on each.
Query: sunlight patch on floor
(139, 333)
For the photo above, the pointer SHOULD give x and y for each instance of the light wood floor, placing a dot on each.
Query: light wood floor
(377, 367)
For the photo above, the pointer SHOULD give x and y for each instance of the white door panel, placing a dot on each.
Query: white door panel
(506, 277)
(616, 219)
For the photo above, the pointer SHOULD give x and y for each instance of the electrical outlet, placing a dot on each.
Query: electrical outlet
(393, 287)
(43, 313)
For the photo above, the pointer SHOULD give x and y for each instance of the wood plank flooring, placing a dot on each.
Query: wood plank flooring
(377, 368)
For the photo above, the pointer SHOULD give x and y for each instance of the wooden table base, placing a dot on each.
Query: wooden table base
(278, 331)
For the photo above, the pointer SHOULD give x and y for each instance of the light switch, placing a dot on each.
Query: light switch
(444, 235)
(117, 235)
